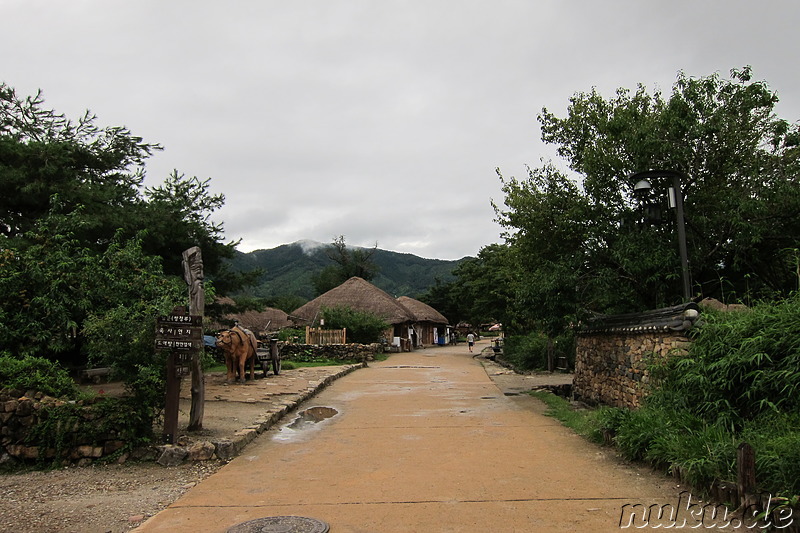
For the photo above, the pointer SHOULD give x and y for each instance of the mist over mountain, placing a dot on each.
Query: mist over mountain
(288, 270)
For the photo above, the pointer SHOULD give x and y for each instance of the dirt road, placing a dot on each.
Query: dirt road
(423, 441)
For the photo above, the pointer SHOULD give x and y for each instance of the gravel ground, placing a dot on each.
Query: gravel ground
(94, 499)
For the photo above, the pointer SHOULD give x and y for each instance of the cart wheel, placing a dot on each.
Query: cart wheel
(276, 364)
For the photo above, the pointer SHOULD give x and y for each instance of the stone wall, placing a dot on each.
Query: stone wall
(337, 352)
(21, 411)
(611, 367)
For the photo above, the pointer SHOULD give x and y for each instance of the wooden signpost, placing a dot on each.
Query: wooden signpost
(181, 334)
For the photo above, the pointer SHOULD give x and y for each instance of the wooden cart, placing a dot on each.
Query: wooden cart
(271, 353)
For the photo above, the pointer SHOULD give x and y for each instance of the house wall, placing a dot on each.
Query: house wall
(611, 368)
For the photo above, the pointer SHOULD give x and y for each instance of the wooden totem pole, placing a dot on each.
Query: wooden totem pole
(193, 274)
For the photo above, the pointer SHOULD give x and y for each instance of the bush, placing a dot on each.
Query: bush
(38, 374)
(776, 440)
(740, 382)
(529, 352)
(62, 427)
(292, 335)
(526, 352)
(740, 366)
(362, 327)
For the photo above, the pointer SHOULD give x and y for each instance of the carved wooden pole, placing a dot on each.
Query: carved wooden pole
(193, 274)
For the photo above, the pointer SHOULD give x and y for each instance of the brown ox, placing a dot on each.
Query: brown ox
(239, 345)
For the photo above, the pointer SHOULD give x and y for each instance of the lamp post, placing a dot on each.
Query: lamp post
(642, 184)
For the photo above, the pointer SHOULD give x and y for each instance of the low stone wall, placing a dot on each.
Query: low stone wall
(21, 411)
(611, 368)
(337, 352)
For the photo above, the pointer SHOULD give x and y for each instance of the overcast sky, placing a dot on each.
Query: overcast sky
(379, 120)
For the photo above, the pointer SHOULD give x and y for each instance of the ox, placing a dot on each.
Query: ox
(239, 345)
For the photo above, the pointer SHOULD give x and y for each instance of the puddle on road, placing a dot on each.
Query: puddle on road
(305, 421)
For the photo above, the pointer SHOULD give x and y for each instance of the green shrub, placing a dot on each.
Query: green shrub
(362, 327)
(292, 335)
(529, 352)
(740, 366)
(36, 373)
(776, 441)
(62, 427)
(637, 432)
(526, 352)
(740, 382)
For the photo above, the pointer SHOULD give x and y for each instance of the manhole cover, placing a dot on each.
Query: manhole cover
(281, 524)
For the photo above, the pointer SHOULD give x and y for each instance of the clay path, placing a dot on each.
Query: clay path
(421, 442)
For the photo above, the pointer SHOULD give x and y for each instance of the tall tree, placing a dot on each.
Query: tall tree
(348, 262)
(741, 196)
(100, 171)
(72, 203)
(581, 241)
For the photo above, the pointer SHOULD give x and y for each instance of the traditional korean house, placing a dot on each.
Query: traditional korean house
(262, 323)
(361, 295)
(429, 326)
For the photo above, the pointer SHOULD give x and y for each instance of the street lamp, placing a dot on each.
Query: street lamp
(642, 185)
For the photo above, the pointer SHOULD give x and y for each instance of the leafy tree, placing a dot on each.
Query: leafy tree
(55, 294)
(741, 195)
(444, 297)
(348, 262)
(580, 242)
(99, 172)
(481, 292)
(44, 154)
(178, 215)
(82, 243)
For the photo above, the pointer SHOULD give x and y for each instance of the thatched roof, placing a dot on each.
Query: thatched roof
(270, 319)
(422, 312)
(360, 295)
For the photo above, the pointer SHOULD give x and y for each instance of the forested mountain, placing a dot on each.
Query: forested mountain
(288, 270)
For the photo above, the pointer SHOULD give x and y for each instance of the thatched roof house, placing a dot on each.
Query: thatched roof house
(259, 322)
(422, 312)
(357, 294)
(429, 327)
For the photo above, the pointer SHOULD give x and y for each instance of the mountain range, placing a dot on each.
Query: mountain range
(288, 270)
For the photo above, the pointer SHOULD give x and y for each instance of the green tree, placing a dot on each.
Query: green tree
(348, 262)
(481, 292)
(741, 196)
(59, 299)
(43, 154)
(72, 201)
(579, 241)
(98, 172)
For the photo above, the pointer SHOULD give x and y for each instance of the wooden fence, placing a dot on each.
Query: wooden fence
(325, 336)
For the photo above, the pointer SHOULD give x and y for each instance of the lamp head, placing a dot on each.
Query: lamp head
(642, 187)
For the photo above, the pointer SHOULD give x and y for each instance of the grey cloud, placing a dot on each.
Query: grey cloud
(381, 121)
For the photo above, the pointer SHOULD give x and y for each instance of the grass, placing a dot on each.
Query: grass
(585, 422)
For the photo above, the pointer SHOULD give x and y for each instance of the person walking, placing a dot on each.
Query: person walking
(470, 340)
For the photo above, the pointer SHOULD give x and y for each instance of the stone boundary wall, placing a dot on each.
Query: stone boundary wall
(611, 368)
(20, 411)
(337, 352)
